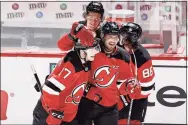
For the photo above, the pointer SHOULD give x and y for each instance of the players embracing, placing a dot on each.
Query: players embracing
(112, 72)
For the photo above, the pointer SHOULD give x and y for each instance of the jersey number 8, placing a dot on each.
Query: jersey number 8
(147, 72)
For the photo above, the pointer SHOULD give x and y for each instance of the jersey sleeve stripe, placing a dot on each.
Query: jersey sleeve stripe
(56, 83)
(147, 84)
(120, 81)
(52, 86)
(148, 88)
(49, 90)
(147, 92)
(120, 84)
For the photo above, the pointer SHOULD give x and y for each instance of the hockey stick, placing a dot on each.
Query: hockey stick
(38, 84)
(131, 104)
(37, 79)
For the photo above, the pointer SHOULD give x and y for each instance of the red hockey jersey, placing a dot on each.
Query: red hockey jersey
(105, 72)
(65, 86)
(145, 73)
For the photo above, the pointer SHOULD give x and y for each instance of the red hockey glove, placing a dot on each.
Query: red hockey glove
(76, 27)
(79, 31)
(55, 117)
(133, 88)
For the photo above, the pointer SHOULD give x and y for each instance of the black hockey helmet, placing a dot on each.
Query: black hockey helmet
(131, 32)
(95, 6)
(111, 28)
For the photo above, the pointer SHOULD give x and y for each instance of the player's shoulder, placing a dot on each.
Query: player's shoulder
(142, 55)
(73, 58)
(143, 52)
(122, 54)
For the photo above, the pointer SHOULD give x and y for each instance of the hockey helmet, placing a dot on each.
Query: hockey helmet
(131, 32)
(95, 6)
(110, 28)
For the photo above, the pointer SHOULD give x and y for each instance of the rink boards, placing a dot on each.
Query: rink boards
(167, 104)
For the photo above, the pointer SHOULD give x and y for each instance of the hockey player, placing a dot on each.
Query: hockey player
(64, 87)
(109, 67)
(93, 19)
(94, 16)
(141, 65)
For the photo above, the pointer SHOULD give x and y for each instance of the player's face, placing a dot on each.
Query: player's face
(91, 52)
(110, 42)
(93, 20)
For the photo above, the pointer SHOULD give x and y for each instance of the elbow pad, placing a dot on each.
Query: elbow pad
(65, 43)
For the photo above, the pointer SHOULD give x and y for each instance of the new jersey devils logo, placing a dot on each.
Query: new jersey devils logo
(104, 76)
(76, 94)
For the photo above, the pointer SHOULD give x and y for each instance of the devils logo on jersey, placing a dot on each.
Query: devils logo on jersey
(104, 76)
(76, 94)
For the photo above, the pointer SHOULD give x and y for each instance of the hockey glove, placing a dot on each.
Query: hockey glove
(133, 88)
(55, 117)
(80, 32)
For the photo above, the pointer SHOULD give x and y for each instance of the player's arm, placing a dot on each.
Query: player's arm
(129, 85)
(144, 84)
(78, 33)
(146, 76)
(125, 76)
(58, 81)
(65, 43)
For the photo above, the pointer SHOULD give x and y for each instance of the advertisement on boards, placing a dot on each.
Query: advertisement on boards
(40, 5)
(167, 104)
(149, 13)
(58, 14)
(47, 14)
(38, 8)
(14, 12)
(167, 13)
(61, 15)
(170, 12)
